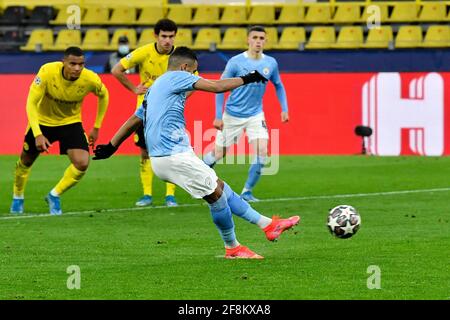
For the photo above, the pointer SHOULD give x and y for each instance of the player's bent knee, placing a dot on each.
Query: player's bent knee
(220, 185)
(81, 167)
(28, 159)
(213, 197)
(144, 154)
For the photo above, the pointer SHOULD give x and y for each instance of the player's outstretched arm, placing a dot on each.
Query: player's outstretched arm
(126, 130)
(224, 85)
(103, 101)
(104, 151)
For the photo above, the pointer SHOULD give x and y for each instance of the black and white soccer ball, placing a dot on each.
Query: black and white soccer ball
(343, 221)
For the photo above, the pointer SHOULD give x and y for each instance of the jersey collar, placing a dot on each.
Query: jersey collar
(247, 56)
(169, 53)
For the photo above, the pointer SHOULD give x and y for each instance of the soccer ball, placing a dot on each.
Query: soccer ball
(343, 221)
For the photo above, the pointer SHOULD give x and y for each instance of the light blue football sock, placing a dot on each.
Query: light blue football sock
(221, 215)
(209, 159)
(254, 173)
(240, 207)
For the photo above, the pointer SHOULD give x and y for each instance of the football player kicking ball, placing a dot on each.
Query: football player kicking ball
(162, 113)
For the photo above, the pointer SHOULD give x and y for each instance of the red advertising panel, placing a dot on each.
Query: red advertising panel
(409, 113)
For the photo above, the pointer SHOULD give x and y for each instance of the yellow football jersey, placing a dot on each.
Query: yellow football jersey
(55, 101)
(152, 64)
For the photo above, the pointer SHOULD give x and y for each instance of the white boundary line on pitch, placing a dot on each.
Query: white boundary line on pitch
(336, 196)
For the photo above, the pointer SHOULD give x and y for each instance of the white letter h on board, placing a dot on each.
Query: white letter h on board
(387, 114)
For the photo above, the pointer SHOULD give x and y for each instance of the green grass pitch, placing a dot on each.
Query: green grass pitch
(176, 253)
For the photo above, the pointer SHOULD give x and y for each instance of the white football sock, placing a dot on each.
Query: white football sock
(264, 222)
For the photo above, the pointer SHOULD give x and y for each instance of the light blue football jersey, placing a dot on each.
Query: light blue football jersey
(163, 114)
(246, 101)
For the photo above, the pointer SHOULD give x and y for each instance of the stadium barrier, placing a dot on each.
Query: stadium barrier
(375, 60)
(409, 114)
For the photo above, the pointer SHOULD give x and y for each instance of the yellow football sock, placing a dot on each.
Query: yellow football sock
(146, 172)
(170, 189)
(70, 178)
(21, 174)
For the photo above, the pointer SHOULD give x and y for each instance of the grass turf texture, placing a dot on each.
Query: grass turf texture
(175, 253)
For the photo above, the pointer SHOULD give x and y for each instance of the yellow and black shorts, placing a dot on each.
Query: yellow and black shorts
(71, 136)
(139, 138)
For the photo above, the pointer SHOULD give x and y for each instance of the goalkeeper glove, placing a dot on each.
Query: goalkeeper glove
(253, 76)
(104, 151)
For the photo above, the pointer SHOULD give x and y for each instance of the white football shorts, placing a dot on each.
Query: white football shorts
(233, 127)
(187, 171)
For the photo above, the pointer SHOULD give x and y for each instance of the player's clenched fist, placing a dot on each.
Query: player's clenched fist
(104, 151)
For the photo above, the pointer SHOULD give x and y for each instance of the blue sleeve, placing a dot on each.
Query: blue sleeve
(140, 113)
(184, 81)
(279, 87)
(229, 72)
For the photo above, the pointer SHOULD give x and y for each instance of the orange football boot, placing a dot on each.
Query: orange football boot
(241, 252)
(278, 226)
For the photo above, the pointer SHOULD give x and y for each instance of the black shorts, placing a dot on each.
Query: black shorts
(139, 138)
(70, 136)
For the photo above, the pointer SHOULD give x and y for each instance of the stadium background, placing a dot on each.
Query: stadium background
(326, 52)
(126, 252)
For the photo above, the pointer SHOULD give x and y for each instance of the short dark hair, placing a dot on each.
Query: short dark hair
(165, 25)
(256, 28)
(73, 51)
(182, 55)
